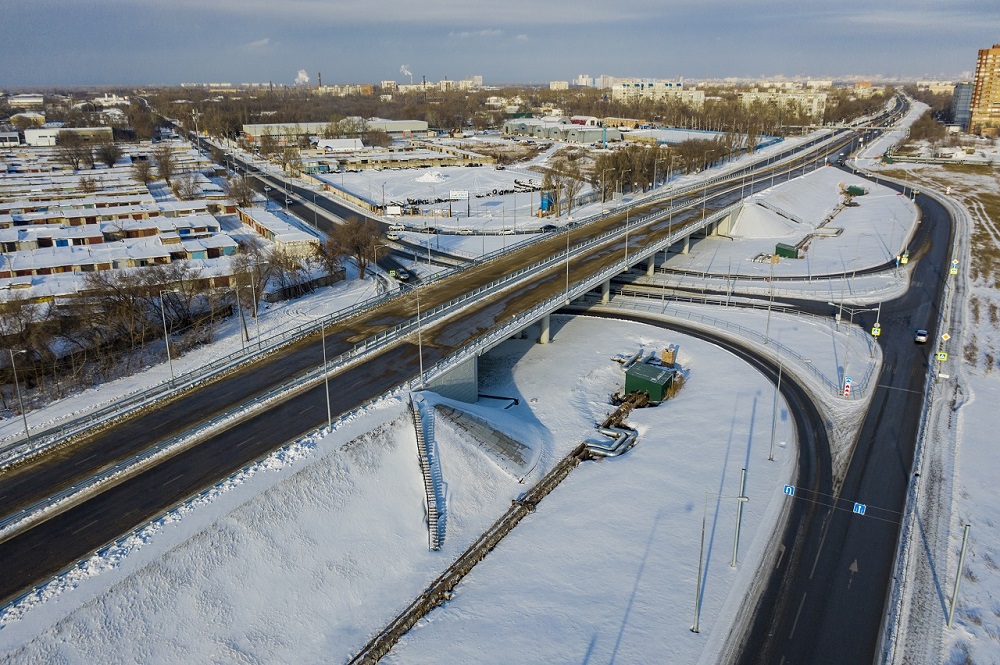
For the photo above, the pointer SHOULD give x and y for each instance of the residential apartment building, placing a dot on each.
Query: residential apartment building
(812, 104)
(635, 90)
(961, 105)
(985, 107)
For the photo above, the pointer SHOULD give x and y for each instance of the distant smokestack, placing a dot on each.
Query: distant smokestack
(319, 79)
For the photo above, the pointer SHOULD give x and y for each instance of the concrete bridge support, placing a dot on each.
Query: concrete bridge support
(651, 265)
(459, 383)
(605, 292)
(687, 245)
(543, 336)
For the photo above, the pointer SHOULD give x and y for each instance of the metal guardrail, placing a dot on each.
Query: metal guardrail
(13, 453)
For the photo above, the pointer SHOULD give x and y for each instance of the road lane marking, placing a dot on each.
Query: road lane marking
(781, 555)
(822, 540)
(796, 622)
(85, 526)
(177, 477)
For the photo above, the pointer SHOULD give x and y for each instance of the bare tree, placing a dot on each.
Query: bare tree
(142, 171)
(72, 149)
(186, 187)
(108, 153)
(88, 184)
(240, 191)
(165, 164)
(358, 238)
(572, 186)
(329, 253)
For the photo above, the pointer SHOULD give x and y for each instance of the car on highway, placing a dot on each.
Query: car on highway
(402, 275)
(549, 227)
(920, 336)
(465, 232)
(392, 236)
(288, 201)
(507, 232)
(397, 227)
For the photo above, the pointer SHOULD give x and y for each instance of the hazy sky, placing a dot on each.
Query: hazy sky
(107, 42)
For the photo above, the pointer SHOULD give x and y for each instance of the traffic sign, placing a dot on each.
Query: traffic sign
(860, 508)
(942, 356)
(789, 490)
(904, 259)
(954, 262)
(945, 337)
(952, 271)
(876, 331)
(847, 386)
(392, 273)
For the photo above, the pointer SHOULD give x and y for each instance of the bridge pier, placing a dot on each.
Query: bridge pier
(651, 265)
(605, 292)
(687, 245)
(543, 335)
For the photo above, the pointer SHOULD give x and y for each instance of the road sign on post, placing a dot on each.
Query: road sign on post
(876, 330)
(790, 490)
(860, 508)
(942, 356)
(847, 386)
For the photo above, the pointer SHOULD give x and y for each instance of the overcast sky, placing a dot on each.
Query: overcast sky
(131, 42)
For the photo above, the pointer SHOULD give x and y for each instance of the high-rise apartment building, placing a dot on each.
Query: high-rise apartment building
(986, 92)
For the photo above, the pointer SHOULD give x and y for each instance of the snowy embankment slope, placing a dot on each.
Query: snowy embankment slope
(306, 563)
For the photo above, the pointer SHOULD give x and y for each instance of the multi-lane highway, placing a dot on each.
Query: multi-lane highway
(826, 603)
(36, 553)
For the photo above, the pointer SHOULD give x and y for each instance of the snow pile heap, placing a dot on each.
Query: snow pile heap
(433, 176)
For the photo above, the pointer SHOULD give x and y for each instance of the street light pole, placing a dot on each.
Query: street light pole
(326, 377)
(166, 338)
(774, 412)
(20, 400)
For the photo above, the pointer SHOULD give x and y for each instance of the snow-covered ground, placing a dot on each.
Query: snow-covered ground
(304, 563)
(307, 555)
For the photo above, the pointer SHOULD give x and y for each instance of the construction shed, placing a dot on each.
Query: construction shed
(786, 251)
(652, 379)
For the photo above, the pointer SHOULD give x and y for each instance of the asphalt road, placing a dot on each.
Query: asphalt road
(829, 605)
(59, 541)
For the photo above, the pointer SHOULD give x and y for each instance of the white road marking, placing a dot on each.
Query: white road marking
(796, 622)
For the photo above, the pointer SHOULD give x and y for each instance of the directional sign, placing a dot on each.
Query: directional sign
(847, 386)
(876, 331)
(942, 356)
(860, 508)
(790, 490)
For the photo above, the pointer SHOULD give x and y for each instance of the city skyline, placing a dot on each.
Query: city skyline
(160, 42)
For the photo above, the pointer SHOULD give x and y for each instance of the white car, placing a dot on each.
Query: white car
(920, 337)
(465, 232)
(392, 236)
(507, 232)
(397, 227)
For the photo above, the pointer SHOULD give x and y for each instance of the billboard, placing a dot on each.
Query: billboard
(459, 195)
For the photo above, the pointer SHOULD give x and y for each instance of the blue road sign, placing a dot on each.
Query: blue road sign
(847, 379)
(860, 508)
(790, 490)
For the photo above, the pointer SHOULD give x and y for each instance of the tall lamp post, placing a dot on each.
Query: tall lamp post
(166, 337)
(326, 377)
(20, 401)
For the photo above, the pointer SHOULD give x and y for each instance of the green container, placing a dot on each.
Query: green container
(652, 379)
(786, 251)
(854, 190)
